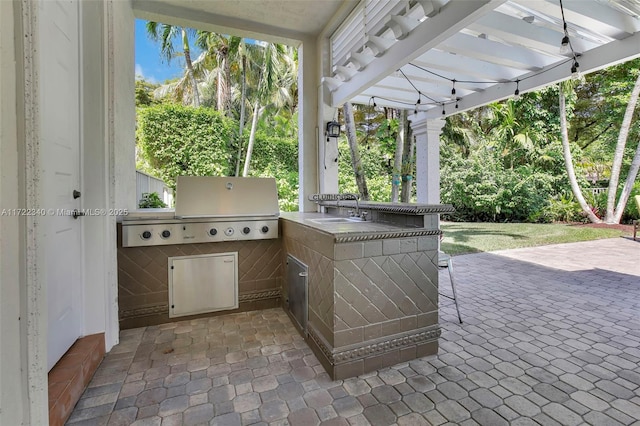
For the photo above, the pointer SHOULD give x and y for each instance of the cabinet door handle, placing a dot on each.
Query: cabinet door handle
(303, 274)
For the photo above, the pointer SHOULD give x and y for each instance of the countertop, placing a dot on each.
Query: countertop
(401, 208)
(370, 230)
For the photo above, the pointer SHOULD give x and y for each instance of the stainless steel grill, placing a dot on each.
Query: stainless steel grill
(208, 209)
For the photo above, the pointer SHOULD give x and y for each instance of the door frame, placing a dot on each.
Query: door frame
(33, 298)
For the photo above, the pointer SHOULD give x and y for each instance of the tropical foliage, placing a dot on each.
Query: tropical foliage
(500, 162)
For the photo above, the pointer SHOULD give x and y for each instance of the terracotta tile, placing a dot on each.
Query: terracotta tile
(57, 375)
(71, 360)
(56, 390)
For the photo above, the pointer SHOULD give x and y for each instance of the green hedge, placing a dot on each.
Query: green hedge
(180, 140)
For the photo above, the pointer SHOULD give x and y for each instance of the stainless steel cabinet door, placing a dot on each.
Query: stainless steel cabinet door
(297, 276)
(204, 283)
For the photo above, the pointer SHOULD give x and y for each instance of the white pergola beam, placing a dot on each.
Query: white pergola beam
(605, 56)
(459, 64)
(403, 91)
(454, 16)
(420, 77)
(590, 15)
(516, 31)
(497, 53)
(364, 99)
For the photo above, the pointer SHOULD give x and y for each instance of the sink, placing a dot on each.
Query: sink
(338, 220)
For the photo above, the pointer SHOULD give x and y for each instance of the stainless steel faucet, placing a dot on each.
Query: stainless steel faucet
(350, 196)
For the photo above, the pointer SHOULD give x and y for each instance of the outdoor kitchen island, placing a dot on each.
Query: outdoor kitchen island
(370, 288)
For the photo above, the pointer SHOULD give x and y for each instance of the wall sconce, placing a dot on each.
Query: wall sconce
(333, 129)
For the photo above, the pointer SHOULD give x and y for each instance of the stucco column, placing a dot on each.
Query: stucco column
(307, 124)
(427, 134)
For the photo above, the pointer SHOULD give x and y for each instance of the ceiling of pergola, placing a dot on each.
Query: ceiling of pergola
(485, 45)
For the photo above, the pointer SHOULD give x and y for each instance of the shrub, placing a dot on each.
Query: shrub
(481, 189)
(151, 200)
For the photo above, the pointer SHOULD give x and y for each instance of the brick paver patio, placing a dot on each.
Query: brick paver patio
(551, 335)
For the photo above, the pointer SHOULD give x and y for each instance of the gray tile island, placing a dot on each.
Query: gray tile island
(371, 287)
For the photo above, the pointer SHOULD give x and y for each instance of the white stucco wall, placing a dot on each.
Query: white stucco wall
(13, 383)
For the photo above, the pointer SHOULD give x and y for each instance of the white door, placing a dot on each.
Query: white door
(60, 167)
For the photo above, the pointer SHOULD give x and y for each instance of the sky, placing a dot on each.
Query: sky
(149, 64)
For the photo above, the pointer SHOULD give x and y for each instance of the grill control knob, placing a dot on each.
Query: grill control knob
(246, 230)
(213, 231)
(166, 233)
(146, 235)
(265, 229)
(228, 232)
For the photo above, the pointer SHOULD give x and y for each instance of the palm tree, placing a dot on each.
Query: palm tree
(614, 215)
(352, 139)
(512, 135)
(274, 73)
(220, 53)
(165, 34)
(566, 150)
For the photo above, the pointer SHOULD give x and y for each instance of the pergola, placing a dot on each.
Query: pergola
(432, 57)
(67, 79)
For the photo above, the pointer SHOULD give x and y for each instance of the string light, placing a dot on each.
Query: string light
(575, 70)
(564, 45)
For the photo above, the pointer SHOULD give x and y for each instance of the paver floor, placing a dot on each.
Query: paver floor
(551, 335)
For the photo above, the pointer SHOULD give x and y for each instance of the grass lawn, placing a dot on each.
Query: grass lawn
(467, 237)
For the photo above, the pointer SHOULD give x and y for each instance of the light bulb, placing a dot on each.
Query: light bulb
(575, 71)
(565, 47)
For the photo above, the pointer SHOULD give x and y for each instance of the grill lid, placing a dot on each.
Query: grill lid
(219, 196)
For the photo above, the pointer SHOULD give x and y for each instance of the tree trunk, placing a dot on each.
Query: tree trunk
(397, 160)
(568, 161)
(350, 125)
(628, 186)
(192, 77)
(227, 87)
(220, 91)
(407, 165)
(243, 98)
(612, 215)
(257, 111)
